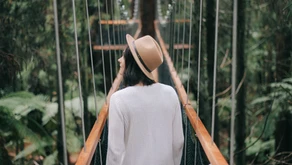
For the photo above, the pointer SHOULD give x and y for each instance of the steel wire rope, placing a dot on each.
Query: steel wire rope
(172, 28)
(189, 53)
(178, 33)
(233, 80)
(92, 68)
(214, 70)
(189, 64)
(118, 24)
(199, 72)
(102, 51)
(78, 73)
(91, 58)
(113, 33)
(122, 25)
(103, 66)
(183, 42)
(60, 84)
(109, 42)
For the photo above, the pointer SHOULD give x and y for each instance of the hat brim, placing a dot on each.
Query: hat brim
(130, 41)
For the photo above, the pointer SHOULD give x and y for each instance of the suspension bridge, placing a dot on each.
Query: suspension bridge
(173, 30)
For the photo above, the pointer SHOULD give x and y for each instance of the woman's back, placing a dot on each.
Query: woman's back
(149, 115)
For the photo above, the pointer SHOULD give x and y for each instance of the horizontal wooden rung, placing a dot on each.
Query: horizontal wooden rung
(118, 22)
(109, 47)
(122, 47)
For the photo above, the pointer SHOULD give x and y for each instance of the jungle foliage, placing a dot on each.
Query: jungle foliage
(29, 113)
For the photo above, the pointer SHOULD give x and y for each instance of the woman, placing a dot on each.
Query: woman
(145, 124)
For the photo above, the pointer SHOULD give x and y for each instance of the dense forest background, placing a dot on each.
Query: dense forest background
(30, 116)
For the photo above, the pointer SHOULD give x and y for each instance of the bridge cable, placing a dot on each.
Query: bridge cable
(119, 24)
(91, 58)
(233, 81)
(102, 51)
(199, 72)
(123, 38)
(60, 84)
(214, 71)
(174, 32)
(113, 34)
(92, 67)
(178, 33)
(189, 61)
(78, 73)
(109, 42)
(183, 42)
(189, 53)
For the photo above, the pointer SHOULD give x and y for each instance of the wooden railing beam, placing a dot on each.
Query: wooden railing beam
(211, 150)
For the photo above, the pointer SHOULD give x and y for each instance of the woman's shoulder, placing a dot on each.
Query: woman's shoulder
(122, 92)
(166, 88)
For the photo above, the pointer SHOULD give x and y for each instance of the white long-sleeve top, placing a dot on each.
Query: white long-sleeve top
(145, 126)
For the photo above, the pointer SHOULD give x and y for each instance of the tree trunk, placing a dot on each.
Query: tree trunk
(210, 40)
(148, 13)
(283, 48)
(240, 129)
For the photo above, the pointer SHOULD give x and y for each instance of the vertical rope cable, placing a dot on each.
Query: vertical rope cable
(113, 32)
(215, 67)
(122, 25)
(78, 71)
(109, 43)
(183, 40)
(178, 34)
(102, 53)
(92, 67)
(91, 58)
(233, 92)
(118, 22)
(189, 64)
(199, 70)
(60, 83)
(186, 142)
(199, 59)
(190, 44)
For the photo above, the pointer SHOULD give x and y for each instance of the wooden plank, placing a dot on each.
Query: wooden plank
(118, 22)
(211, 150)
(180, 46)
(122, 47)
(109, 47)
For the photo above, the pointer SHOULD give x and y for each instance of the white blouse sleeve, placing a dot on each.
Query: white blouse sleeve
(116, 145)
(177, 136)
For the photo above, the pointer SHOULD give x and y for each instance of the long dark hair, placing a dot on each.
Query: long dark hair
(133, 74)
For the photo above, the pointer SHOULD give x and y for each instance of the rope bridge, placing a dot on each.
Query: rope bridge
(112, 40)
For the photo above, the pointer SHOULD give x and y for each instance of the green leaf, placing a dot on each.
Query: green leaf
(34, 147)
(260, 100)
(51, 159)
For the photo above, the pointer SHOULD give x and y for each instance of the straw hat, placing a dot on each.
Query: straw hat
(146, 52)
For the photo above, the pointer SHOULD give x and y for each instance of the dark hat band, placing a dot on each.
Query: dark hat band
(140, 59)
